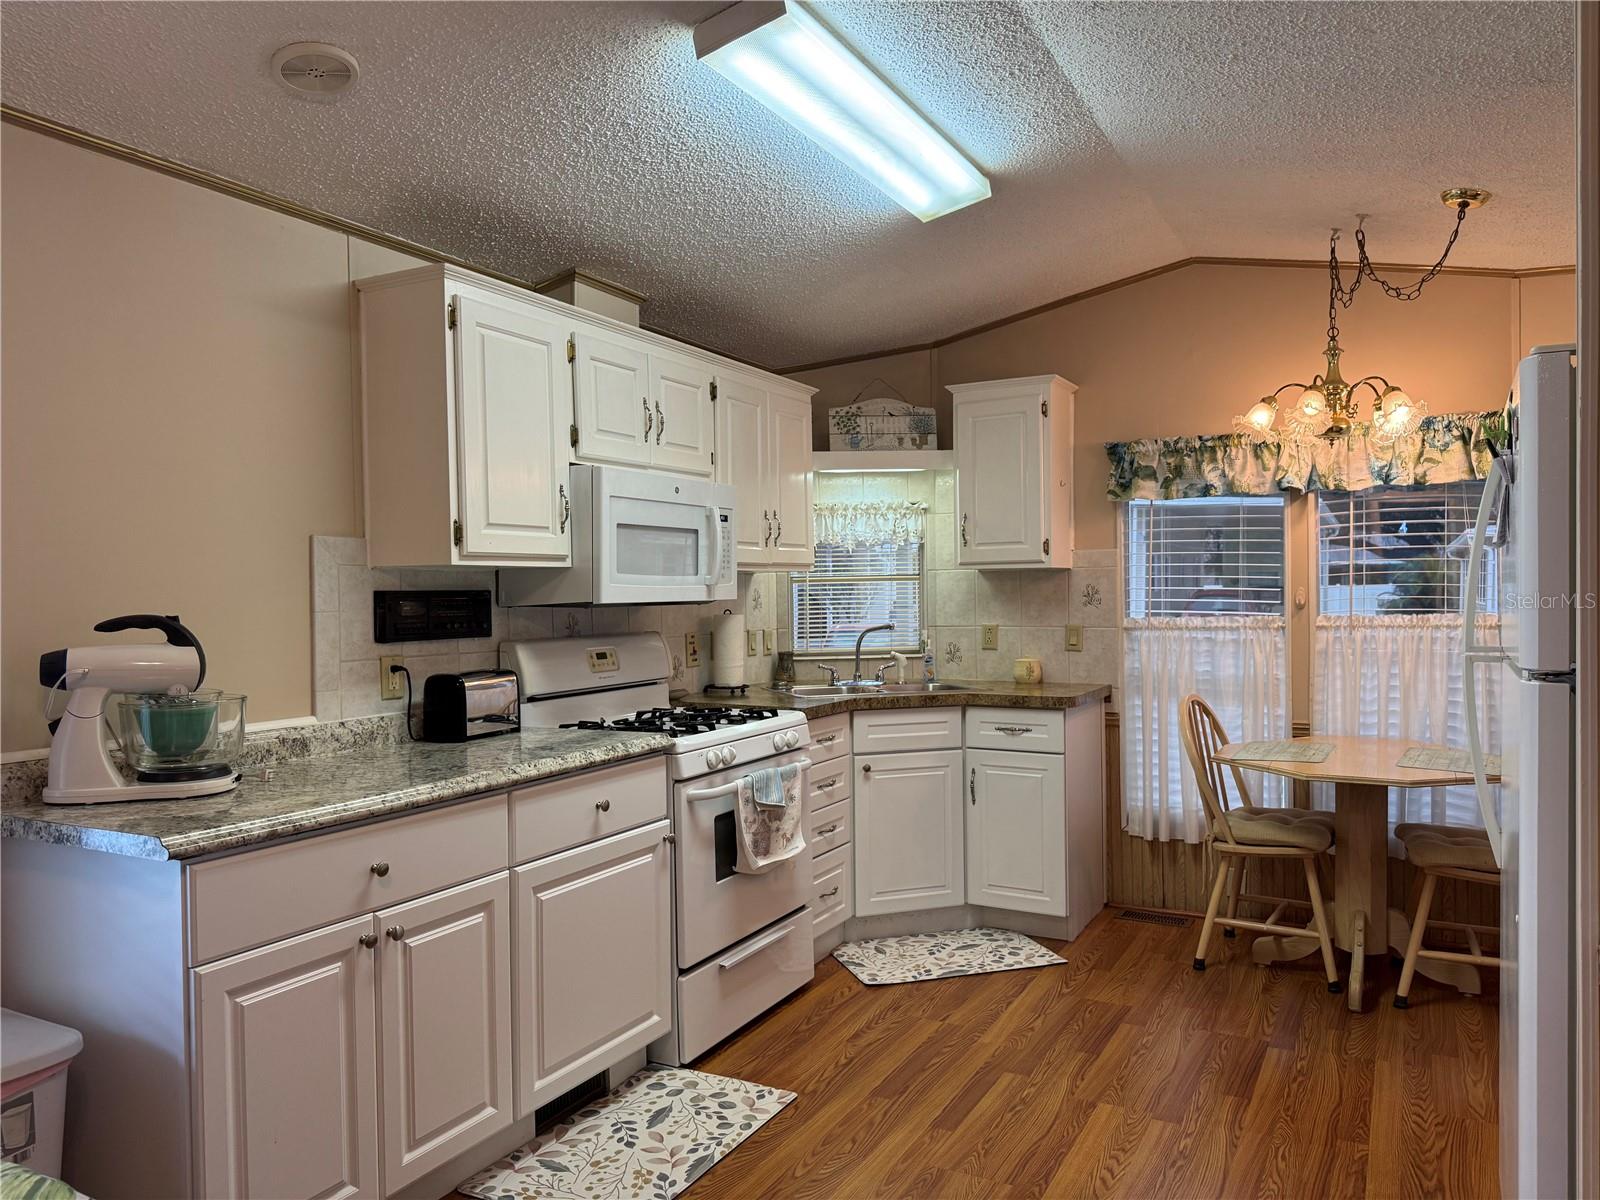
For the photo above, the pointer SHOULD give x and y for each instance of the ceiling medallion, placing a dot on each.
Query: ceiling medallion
(1327, 406)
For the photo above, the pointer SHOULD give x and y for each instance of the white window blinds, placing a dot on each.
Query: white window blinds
(1398, 550)
(1215, 555)
(868, 571)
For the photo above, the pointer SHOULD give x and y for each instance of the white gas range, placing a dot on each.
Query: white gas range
(742, 942)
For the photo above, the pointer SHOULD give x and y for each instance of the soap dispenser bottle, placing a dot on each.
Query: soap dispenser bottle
(928, 669)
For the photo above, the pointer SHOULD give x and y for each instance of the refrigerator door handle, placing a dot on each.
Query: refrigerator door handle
(1473, 654)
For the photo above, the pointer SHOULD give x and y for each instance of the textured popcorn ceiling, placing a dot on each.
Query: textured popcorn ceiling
(531, 137)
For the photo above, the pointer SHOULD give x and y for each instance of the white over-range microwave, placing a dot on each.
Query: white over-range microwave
(638, 537)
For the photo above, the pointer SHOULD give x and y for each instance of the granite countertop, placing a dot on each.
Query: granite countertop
(987, 693)
(310, 794)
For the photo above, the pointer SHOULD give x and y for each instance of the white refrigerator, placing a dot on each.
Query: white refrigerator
(1525, 530)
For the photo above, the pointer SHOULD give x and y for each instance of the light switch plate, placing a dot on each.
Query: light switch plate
(1074, 637)
(391, 684)
(750, 643)
(991, 637)
(691, 649)
(766, 641)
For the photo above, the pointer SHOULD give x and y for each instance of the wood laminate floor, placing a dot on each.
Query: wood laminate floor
(1125, 1073)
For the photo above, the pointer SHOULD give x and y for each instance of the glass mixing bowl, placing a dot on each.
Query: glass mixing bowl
(166, 733)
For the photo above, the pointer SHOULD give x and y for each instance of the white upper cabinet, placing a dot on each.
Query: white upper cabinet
(466, 410)
(513, 409)
(612, 398)
(1013, 442)
(683, 434)
(764, 451)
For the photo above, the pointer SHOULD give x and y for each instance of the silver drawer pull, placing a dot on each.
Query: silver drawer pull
(1014, 729)
(380, 869)
(396, 932)
(833, 891)
(828, 785)
(603, 805)
(834, 828)
(827, 739)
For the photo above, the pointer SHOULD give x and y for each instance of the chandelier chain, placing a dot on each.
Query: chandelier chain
(1411, 291)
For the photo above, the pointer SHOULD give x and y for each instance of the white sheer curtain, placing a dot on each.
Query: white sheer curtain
(1401, 677)
(1237, 664)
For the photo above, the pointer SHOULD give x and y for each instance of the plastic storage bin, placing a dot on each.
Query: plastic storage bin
(34, 1056)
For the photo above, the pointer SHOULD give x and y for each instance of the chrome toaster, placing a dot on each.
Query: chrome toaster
(457, 708)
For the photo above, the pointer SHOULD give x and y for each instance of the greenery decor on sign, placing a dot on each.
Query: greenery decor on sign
(1444, 449)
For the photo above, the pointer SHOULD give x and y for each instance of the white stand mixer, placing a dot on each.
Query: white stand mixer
(81, 768)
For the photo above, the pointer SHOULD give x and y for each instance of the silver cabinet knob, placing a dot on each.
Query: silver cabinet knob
(866, 768)
(603, 805)
(369, 940)
(396, 932)
(380, 869)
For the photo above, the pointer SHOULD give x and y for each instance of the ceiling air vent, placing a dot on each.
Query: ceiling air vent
(315, 68)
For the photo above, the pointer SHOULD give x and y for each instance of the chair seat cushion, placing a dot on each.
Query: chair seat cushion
(1446, 846)
(1295, 828)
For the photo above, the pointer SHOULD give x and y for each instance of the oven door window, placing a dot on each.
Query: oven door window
(726, 844)
(658, 541)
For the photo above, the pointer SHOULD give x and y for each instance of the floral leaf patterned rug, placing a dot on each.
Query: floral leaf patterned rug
(652, 1137)
(919, 956)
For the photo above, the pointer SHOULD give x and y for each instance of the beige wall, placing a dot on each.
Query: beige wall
(1183, 352)
(910, 374)
(177, 419)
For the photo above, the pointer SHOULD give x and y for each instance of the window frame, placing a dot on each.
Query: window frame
(1286, 559)
(872, 652)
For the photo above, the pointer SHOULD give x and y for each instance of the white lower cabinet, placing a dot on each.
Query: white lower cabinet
(908, 831)
(444, 998)
(1016, 831)
(594, 959)
(287, 1068)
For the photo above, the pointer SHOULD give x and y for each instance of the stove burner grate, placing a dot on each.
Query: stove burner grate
(678, 721)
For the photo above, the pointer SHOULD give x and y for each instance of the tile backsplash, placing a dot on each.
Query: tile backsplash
(1031, 607)
(345, 657)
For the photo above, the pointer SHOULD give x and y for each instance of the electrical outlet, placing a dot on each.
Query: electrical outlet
(691, 649)
(391, 684)
(1074, 637)
(750, 650)
(991, 637)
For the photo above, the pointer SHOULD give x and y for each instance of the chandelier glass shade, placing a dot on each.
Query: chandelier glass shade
(1329, 406)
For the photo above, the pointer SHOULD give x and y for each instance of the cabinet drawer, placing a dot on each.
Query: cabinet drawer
(831, 898)
(742, 983)
(830, 737)
(567, 812)
(828, 827)
(906, 729)
(830, 783)
(1037, 730)
(263, 895)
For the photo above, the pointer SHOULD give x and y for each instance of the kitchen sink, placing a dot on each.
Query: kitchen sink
(872, 688)
(904, 689)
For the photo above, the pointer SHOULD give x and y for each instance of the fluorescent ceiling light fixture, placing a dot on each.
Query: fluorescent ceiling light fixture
(786, 59)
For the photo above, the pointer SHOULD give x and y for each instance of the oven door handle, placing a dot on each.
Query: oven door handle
(728, 789)
(756, 947)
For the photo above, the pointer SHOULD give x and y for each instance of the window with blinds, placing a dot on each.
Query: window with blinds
(1214, 555)
(1399, 551)
(849, 590)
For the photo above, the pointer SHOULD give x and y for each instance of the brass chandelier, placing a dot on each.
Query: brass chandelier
(1327, 407)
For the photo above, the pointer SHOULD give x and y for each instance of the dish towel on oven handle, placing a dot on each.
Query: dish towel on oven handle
(769, 818)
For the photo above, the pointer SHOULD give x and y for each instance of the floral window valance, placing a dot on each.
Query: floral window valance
(870, 523)
(1445, 449)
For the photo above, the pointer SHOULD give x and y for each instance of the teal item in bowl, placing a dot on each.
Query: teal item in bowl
(176, 730)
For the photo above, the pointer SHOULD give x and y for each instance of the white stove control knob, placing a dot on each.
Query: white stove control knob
(714, 758)
(794, 739)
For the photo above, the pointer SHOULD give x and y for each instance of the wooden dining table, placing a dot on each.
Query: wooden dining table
(1362, 770)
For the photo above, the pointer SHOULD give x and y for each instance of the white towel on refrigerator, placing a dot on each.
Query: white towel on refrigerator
(769, 817)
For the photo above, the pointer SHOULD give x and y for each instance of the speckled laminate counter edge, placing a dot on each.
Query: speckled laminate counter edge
(980, 694)
(321, 794)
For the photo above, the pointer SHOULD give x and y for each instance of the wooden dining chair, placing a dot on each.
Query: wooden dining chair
(1445, 852)
(1243, 833)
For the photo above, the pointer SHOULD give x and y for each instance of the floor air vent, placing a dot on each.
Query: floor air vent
(1154, 918)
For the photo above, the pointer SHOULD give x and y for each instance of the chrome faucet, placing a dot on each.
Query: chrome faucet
(856, 677)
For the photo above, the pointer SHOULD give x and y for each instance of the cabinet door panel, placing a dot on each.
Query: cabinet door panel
(908, 832)
(680, 401)
(743, 460)
(1016, 831)
(287, 1066)
(445, 1003)
(612, 400)
(790, 486)
(1000, 480)
(514, 407)
(593, 959)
